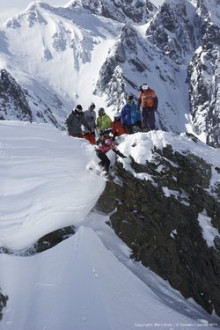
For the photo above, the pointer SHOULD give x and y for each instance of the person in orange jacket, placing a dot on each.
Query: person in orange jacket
(117, 127)
(148, 100)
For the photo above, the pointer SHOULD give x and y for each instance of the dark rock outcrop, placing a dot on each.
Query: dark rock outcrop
(17, 103)
(13, 101)
(120, 10)
(112, 78)
(158, 220)
(46, 242)
(175, 32)
(204, 80)
(3, 302)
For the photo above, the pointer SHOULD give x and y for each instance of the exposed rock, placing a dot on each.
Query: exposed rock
(3, 302)
(174, 31)
(18, 103)
(137, 11)
(193, 39)
(13, 101)
(204, 94)
(50, 240)
(44, 243)
(158, 220)
(111, 76)
(204, 78)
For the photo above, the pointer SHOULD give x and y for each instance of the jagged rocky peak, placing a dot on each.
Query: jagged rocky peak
(13, 103)
(210, 15)
(204, 76)
(17, 103)
(112, 78)
(138, 11)
(204, 94)
(32, 15)
(176, 30)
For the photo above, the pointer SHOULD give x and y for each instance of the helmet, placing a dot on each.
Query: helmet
(144, 87)
(105, 132)
(130, 98)
(101, 111)
(117, 115)
(92, 106)
(79, 108)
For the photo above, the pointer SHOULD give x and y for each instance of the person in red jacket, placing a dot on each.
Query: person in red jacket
(117, 127)
(148, 100)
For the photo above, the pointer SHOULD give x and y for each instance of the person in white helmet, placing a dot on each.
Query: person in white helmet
(148, 100)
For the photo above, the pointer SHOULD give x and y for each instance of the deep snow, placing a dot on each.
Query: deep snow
(88, 281)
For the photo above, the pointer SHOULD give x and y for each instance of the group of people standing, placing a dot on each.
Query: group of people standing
(84, 124)
(142, 115)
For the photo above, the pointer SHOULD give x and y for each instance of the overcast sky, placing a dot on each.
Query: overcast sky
(9, 8)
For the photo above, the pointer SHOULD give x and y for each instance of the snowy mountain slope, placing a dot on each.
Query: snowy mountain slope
(176, 30)
(70, 40)
(133, 61)
(14, 102)
(204, 76)
(97, 290)
(56, 60)
(41, 199)
(88, 281)
(110, 48)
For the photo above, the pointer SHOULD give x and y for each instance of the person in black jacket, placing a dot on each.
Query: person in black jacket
(75, 120)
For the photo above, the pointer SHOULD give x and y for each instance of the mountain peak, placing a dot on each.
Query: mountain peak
(138, 11)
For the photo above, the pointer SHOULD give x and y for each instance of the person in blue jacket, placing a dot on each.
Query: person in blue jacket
(126, 114)
(135, 112)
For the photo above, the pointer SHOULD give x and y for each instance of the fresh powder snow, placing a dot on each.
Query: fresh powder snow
(88, 281)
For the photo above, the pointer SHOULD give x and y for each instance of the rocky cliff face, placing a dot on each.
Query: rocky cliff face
(13, 103)
(3, 302)
(113, 80)
(204, 78)
(17, 103)
(180, 49)
(158, 208)
(137, 11)
(188, 32)
(176, 30)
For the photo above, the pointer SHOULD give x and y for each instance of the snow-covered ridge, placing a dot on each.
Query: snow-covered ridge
(45, 184)
(67, 49)
(140, 146)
